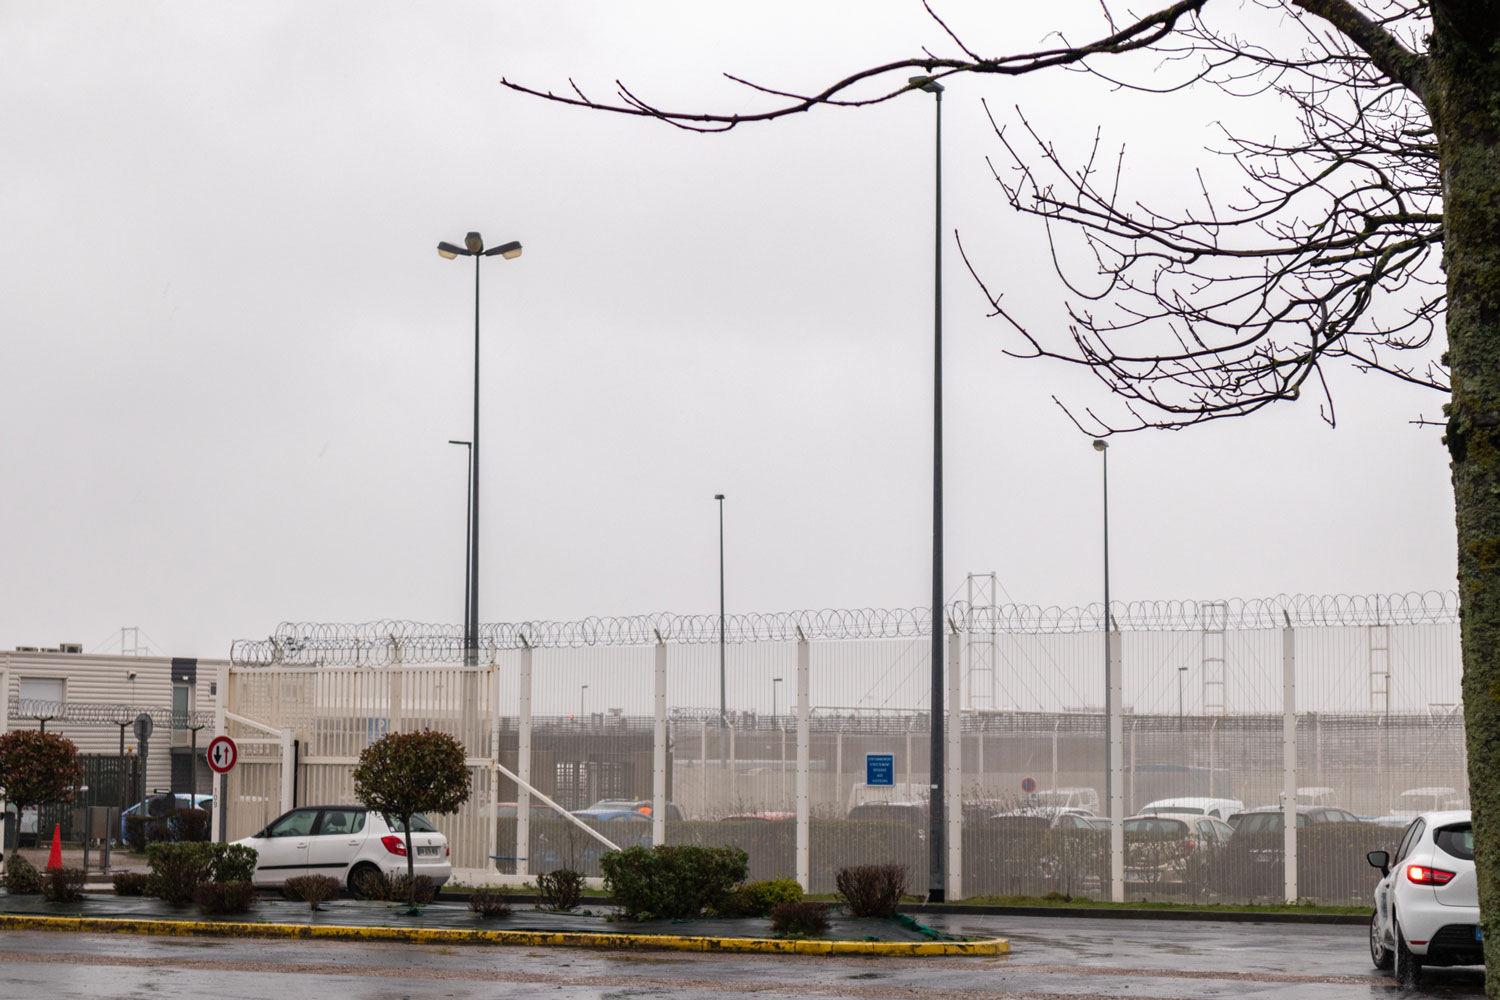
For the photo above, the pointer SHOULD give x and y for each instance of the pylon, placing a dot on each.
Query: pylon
(54, 859)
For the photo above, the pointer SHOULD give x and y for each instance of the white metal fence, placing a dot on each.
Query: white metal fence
(618, 710)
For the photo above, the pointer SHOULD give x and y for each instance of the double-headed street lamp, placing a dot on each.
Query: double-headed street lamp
(474, 247)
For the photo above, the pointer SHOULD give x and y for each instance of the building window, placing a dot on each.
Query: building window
(49, 689)
(179, 715)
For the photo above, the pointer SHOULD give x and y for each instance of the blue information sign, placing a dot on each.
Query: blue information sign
(880, 769)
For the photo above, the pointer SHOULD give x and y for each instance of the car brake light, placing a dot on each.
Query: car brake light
(445, 850)
(394, 844)
(1422, 875)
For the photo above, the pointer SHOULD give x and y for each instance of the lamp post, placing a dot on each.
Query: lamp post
(474, 247)
(468, 527)
(774, 689)
(1181, 672)
(582, 688)
(937, 849)
(723, 706)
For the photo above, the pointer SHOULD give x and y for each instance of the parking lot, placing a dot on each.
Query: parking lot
(1053, 957)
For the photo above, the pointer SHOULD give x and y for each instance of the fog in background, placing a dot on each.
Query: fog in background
(233, 359)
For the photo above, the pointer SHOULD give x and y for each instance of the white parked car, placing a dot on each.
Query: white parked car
(1192, 806)
(1427, 902)
(345, 842)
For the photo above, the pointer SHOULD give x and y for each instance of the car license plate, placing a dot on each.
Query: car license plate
(426, 852)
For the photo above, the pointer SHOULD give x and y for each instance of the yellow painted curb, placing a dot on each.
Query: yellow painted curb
(567, 939)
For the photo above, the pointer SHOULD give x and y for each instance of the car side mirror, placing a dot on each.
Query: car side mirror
(1381, 860)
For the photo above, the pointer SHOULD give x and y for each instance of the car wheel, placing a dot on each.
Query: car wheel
(1379, 953)
(1408, 966)
(356, 877)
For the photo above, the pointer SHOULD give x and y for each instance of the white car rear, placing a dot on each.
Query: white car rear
(345, 842)
(1427, 902)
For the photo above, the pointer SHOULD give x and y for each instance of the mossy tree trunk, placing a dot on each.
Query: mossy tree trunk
(1464, 97)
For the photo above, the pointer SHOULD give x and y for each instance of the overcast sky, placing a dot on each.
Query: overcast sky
(233, 358)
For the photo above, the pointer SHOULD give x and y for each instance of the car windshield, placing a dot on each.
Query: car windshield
(419, 824)
(1457, 841)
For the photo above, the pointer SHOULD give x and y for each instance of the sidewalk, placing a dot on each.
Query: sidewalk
(121, 859)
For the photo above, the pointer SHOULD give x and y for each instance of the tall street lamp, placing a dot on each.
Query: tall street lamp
(1102, 447)
(937, 849)
(474, 247)
(775, 681)
(723, 707)
(468, 527)
(581, 691)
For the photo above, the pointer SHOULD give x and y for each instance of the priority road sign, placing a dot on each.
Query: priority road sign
(222, 754)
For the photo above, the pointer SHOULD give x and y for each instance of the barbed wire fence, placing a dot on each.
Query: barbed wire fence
(388, 641)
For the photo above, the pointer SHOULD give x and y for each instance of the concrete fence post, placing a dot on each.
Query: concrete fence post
(1289, 758)
(523, 763)
(804, 764)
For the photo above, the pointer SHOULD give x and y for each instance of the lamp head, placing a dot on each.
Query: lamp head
(926, 83)
(1100, 445)
(450, 251)
(474, 242)
(718, 496)
(510, 251)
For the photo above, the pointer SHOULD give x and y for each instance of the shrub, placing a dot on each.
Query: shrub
(63, 885)
(489, 903)
(312, 889)
(188, 825)
(129, 883)
(871, 890)
(232, 863)
(673, 881)
(177, 870)
(560, 890)
(800, 919)
(758, 899)
(21, 877)
(135, 832)
(422, 890)
(226, 897)
(372, 884)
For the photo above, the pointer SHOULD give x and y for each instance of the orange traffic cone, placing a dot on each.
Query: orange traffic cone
(54, 859)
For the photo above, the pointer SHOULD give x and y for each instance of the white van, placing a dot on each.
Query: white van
(1067, 798)
(1317, 796)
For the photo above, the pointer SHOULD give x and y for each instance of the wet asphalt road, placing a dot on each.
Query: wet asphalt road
(1053, 958)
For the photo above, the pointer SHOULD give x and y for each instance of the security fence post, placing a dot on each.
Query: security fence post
(804, 764)
(953, 779)
(659, 749)
(1289, 758)
(523, 762)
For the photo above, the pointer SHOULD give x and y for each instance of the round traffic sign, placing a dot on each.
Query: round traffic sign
(222, 754)
(1028, 785)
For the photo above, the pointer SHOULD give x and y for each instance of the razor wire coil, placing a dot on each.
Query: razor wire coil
(392, 641)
